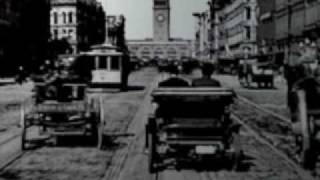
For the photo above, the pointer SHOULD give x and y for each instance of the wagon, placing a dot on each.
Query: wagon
(228, 65)
(256, 71)
(192, 123)
(61, 109)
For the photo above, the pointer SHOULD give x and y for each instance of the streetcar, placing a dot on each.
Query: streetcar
(108, 66)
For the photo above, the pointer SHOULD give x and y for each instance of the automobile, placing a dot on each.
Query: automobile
(62, 107)
(192, 123)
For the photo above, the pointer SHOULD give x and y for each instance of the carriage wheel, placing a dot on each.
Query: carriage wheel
(237, 156)
(100, 126)
(24, 139)
(152, 152)
(307, 155)
(248, 80)
(24, 128)
(100, 136)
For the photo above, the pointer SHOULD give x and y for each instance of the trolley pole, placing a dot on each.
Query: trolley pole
(289, 63)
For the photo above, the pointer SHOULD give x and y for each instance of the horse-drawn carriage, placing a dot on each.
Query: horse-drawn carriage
(191, 123)
(62, 107)
(303, 77)
(306, 121)
(228, 65)
(257, 70)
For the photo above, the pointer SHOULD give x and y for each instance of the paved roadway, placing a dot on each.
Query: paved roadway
(261, 161)
(130, 161)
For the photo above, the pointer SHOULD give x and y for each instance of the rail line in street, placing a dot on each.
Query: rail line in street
(301, 172)
(291, 161)
(7, 161)
(258, 107)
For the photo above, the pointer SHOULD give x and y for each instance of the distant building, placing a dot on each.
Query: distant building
(161, 46)
(116, 31)
(203, 41)
(80, 22)
(24, 34)
(149, 49)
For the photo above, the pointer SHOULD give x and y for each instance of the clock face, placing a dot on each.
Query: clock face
(160, 18)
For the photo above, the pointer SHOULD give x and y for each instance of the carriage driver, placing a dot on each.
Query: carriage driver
(309, 81)
(174, 80)
(206, 80)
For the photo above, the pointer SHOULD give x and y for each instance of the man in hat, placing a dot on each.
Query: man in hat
(206, 79)
(173, 80)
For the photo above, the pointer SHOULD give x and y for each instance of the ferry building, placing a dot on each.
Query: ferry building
(162, 46)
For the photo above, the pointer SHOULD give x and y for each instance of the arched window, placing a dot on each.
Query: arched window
(55, 18)
(172, 51)
(145, 51)
(64, 17)
(70, 17)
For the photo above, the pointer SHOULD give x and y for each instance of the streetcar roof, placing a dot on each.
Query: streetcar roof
(102, 53)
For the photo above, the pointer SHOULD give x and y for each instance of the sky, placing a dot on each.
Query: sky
(139, 16)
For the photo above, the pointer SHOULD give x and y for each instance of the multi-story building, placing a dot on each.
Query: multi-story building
(24, 34)
(80, 22)
(236, 27)
(295, 20)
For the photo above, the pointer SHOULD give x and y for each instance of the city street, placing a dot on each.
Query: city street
(159, 90)
(126, 113)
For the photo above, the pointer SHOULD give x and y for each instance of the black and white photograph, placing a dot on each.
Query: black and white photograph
(159, 89)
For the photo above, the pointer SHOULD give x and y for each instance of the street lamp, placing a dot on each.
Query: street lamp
(201, 16)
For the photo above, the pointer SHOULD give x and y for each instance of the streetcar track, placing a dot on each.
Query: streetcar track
(278, 116)
(260, 138)
(11, 160)
(121, 157)
(301, 172)
(8, 140)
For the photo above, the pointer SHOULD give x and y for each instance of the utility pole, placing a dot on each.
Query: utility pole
(289, 41)
(212, 18)
(288, 63)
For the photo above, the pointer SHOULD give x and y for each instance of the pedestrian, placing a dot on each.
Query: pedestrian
(22, 75)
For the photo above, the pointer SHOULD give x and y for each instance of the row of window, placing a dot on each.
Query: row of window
(65, 32)
(66, 17)
(114, 63)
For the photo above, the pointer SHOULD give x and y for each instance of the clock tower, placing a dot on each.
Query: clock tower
(161, 20)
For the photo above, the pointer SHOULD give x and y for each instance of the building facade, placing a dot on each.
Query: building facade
(234, 27)
(80, 22)
(174, 50)
(161, 46)
(238, 27)
(295, 20)
(23, 40)
(203, 38)
(266, 31)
